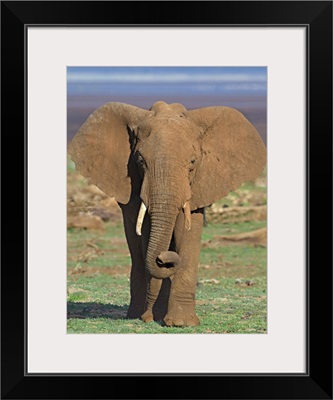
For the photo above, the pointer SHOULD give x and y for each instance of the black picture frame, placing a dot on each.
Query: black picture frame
(16, 17)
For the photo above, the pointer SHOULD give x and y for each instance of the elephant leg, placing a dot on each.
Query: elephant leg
(138, 281)
(149, 296)
(181, 307)
(158, 291)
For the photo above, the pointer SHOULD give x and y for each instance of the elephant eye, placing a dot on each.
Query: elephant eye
(140, 159)
(191, 164)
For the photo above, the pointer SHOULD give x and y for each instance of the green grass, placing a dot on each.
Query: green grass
(231, 294)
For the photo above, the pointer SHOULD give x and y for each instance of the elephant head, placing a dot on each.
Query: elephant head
(171, 159)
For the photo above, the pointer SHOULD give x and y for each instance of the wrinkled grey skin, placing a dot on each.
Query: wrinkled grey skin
(175, 162)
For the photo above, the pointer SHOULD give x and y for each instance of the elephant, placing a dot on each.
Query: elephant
(164, 166)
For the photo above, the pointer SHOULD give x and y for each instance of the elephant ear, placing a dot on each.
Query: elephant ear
(232, 153)
(101, 148)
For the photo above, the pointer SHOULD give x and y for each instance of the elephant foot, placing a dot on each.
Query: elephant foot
(156, 315)
(135, 309)
(133, 313)
(181, 319)
(147, 316)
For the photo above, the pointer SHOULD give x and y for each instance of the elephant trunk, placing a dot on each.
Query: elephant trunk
(168, 193)
(160, 262)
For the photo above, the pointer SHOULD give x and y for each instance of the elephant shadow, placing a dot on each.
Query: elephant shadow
(96, 310)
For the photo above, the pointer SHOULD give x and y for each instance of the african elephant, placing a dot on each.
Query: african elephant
(170, 162)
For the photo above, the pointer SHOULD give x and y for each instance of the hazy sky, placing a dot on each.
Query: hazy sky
(166, 80)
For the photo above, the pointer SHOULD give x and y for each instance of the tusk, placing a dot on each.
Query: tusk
(141, 216)
(187, 213)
